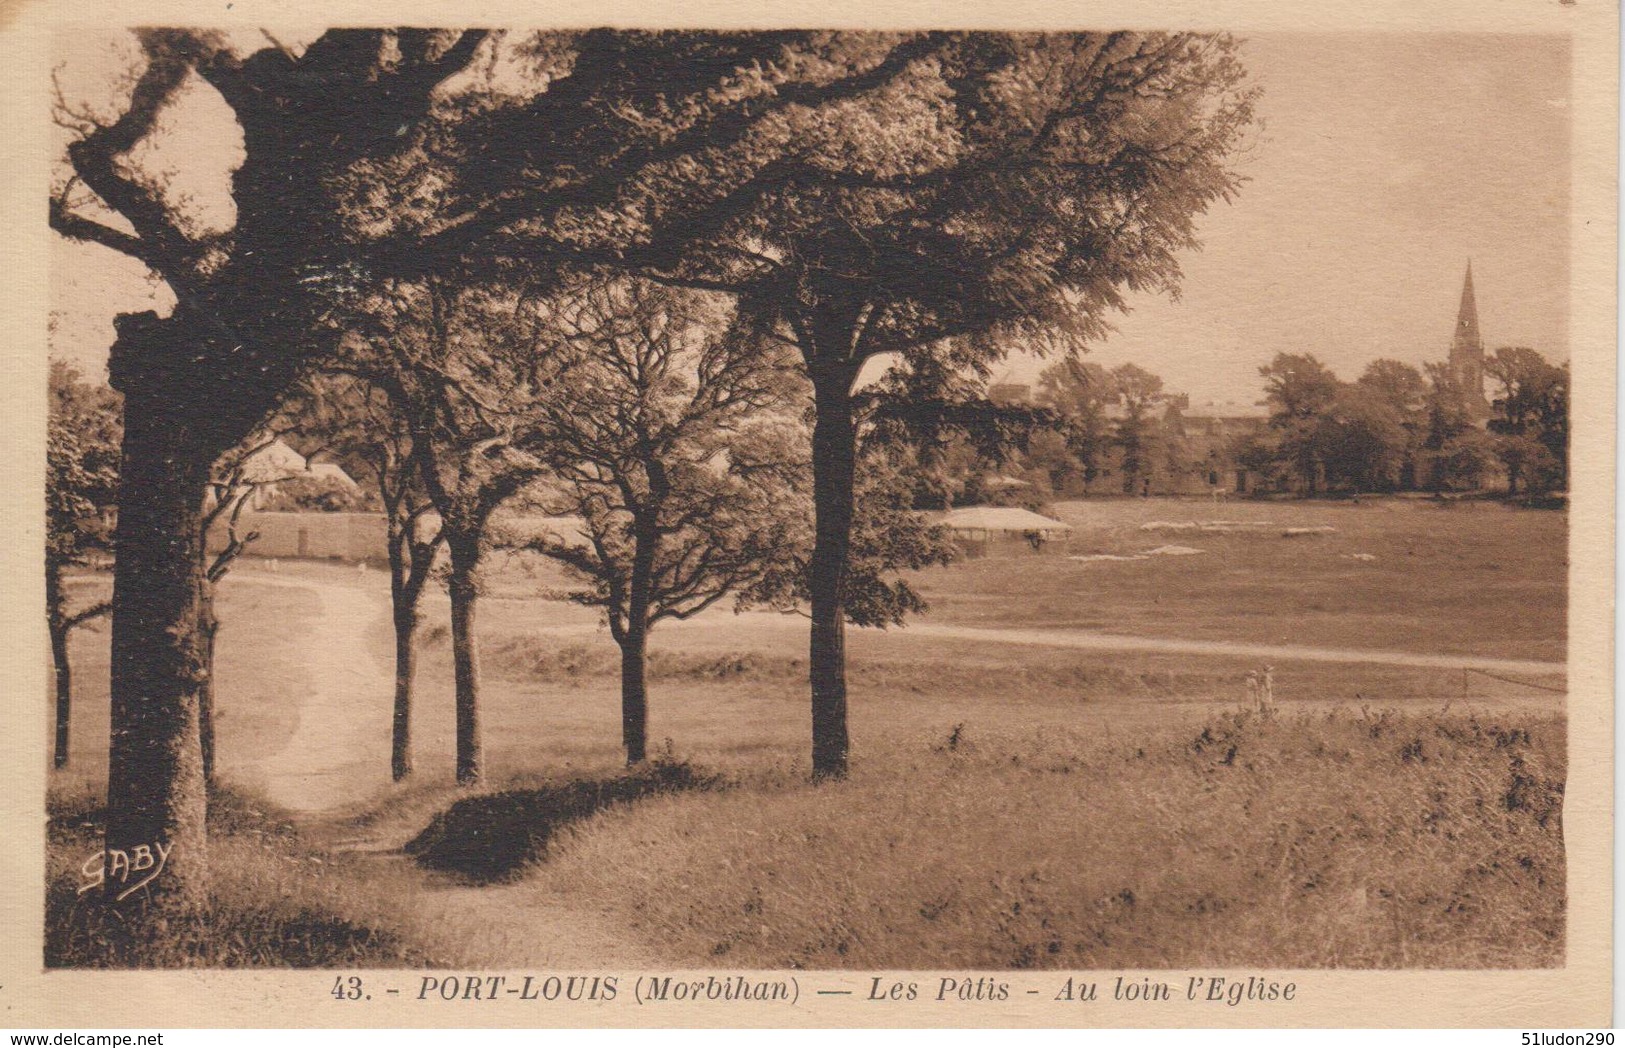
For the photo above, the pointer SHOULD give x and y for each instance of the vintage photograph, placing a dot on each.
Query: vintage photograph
(783, 501)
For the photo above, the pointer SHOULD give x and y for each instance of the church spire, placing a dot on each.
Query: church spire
(1467, 348)
(1467, 317)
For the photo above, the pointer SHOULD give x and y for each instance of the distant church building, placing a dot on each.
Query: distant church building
(1467, 350)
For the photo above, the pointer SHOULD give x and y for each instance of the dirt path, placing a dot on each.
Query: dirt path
(1284, 652)
(503, 925)
(1095, 641)
(339, 755)
(1057, 638)
(339, 752)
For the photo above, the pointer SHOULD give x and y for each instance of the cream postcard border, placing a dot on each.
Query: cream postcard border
(1577, 995)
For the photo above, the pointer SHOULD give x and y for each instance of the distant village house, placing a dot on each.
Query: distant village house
(985, 530)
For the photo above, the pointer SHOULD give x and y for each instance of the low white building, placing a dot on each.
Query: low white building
(981, 530)
(278, 462)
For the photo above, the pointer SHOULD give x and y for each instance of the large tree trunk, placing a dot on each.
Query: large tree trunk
(834, 460)
(156, 795)
(634, 644)
(465, 557)
(635, 695)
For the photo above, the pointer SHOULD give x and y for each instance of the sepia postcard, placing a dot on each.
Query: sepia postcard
(645, 515)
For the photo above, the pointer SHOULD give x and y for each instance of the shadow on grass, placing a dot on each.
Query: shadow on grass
(232, 812)
(492, 837)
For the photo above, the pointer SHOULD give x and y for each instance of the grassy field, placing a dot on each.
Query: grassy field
(1477, 578)
(1009, 806)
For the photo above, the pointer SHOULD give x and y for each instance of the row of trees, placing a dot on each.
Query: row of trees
(644, 414)
(1396, 427)
(1087, 429)
(855, 195)
(1120, 421)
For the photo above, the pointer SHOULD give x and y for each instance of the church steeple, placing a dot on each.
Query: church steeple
(1467, 348)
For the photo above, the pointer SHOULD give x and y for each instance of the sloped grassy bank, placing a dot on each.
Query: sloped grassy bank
(274, 901)
(1349, 839)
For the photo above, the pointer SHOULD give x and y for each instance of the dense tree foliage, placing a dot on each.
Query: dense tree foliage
(1531, 417)
(1397, 428)
(964, 187)
(1299, 389)
(1080, 394)
(405, 215)
(1140, 393)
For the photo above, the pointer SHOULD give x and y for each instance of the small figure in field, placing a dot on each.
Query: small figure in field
(1261, 688)
(1145, 488)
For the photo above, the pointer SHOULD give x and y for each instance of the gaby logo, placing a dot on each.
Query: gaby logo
(144, 862)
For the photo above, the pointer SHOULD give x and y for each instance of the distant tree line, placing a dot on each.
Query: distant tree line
(1100, 431)
(1397, 428)
(1086, 430)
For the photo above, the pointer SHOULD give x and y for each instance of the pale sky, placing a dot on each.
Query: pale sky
(1382, 164)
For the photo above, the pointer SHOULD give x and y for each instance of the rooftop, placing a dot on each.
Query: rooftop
(1000, 518)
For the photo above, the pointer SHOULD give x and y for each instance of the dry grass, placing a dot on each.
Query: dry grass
(1329, 840)
(737, 698)
(1351, 839)
(899, 664)
(274, 903)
